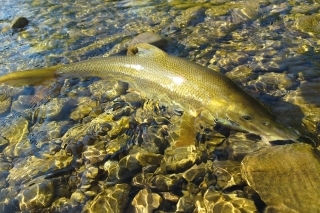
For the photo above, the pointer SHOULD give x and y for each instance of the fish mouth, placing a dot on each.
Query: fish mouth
(281, 134)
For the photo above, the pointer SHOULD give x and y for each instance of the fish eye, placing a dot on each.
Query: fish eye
(266, 123)
(247, 117)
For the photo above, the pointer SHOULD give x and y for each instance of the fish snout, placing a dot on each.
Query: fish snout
(278, 132)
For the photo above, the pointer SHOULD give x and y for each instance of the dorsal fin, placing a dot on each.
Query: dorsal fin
(145, 50)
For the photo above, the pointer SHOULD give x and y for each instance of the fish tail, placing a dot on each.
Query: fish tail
(29, 77)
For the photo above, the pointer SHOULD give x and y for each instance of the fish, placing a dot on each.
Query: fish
(153, 71)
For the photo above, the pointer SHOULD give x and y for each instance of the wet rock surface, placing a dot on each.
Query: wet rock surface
(113, 199)
(146, 201)
(214, 201)
(36, 196)
(286, 177)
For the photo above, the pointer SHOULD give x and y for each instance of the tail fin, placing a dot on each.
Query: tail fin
(29, 77)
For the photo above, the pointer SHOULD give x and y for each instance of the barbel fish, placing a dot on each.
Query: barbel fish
(154, 72)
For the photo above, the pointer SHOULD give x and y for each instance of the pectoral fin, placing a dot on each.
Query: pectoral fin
(187, 133)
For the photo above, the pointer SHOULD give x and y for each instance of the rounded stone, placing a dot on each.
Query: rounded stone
(294, 170)
(36, 196)
(91, 172)
(5, 103)
(78, 197)
(113, 199)
(3, 143)
(240, 144)
(227, 173)
(216, 201)
(146, 158)
(93, 155)
(20, 22)
(309, 24)
(194, 172)
(142, 179)
(146, 201)
(62, 204)
(180, 159)
(185, 204)
(165, 182)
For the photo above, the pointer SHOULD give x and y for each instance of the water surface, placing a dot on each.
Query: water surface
(269, 48)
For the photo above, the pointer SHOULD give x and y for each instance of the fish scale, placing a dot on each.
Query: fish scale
(154, 72)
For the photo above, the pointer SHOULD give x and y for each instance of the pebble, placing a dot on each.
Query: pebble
(218, 202)
(20, 23)
(113, 199)
(146, 201)
(227, 173)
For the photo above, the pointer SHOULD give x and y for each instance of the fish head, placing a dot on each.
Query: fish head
(267, 127)
(254, 118)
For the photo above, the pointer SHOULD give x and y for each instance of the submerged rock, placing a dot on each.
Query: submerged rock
(165, 182)
(309, 24)
(227, 173)
(180, 159)
(286, 177)
(185, 204)
(36, 196)
(84, 107)
(3, 143)
(16, 132)
(113, 199)
(105, 90)
(5, 103)
(62, 205)
(194, 172)
(146, 201)
(20, 22)
(240, 144)
(307, 98)
(218, 202)
(78, 197)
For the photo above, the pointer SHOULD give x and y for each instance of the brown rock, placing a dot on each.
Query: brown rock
(36, 196)
(20, 22)
(194, 172)
(215, 201)
(146, 201)
(113, 199)
(227, 173)
(286, 177)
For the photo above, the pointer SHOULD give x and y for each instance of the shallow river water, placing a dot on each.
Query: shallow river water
(91, 145)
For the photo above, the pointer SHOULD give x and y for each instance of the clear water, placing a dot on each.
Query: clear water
(270, 48)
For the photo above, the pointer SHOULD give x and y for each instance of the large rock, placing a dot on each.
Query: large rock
(287, 178)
